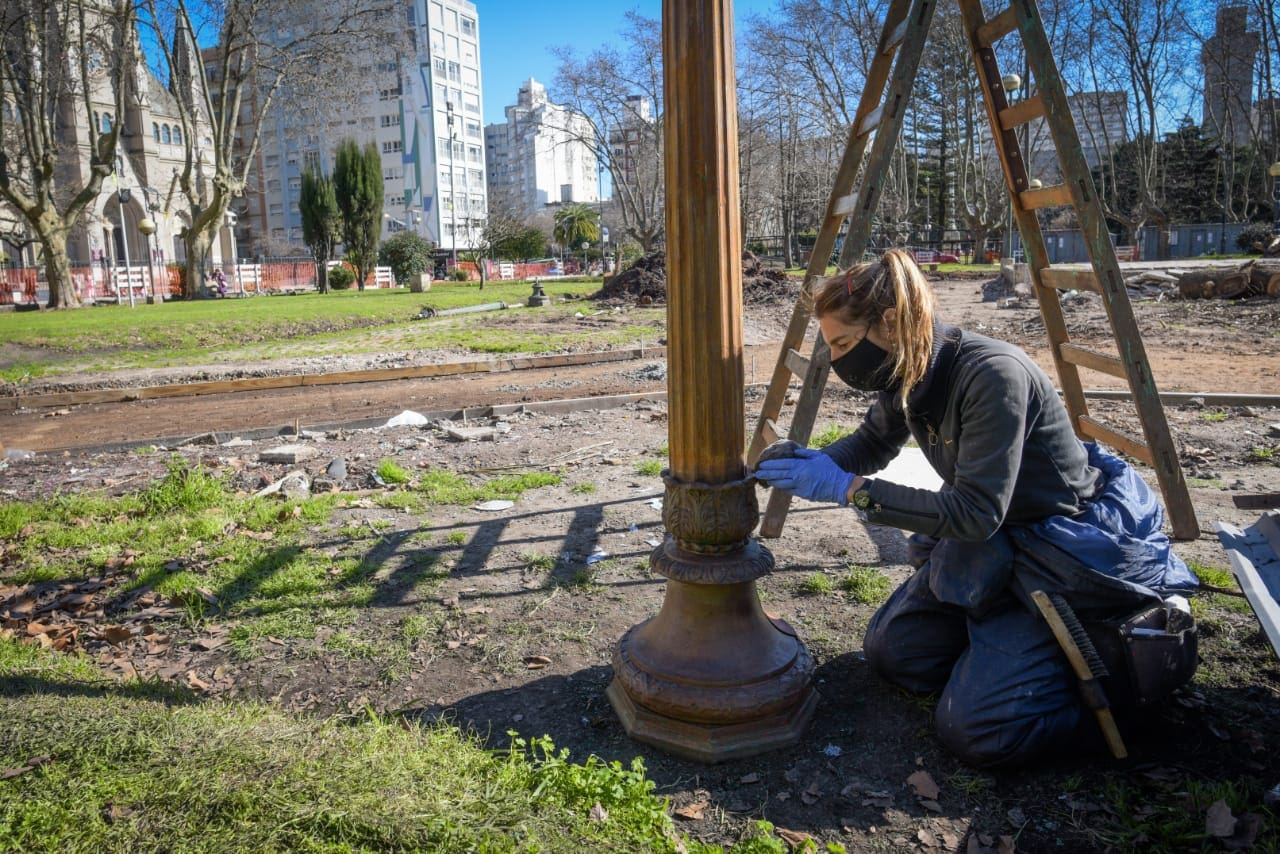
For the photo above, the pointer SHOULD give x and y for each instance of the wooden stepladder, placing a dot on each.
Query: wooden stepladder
(879, 120)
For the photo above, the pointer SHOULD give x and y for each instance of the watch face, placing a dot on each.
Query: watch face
(862, 499)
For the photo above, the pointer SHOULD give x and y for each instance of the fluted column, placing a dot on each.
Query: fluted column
(711, 676)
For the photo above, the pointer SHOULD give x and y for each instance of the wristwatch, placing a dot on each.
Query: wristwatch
(861, 499)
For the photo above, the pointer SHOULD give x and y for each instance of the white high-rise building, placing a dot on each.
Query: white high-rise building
(540, 155)
(423, 110)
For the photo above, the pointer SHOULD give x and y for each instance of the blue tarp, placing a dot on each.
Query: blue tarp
(1119, 533)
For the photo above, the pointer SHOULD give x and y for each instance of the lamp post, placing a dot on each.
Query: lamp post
(1274, 171)
(1011, 84)
(122, 196)
(1226, 199)
(453, 208)
(148, 228)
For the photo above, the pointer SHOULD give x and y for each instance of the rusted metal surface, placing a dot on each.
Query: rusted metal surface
(1255, 561)
(711, 677)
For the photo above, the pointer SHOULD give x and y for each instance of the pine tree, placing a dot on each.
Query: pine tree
(357, 183)
(321, 221)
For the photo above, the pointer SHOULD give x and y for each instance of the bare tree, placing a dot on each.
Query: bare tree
(263, 49)
(63, 64)
(619, 91)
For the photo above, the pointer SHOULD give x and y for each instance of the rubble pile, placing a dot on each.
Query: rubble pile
(645, 282)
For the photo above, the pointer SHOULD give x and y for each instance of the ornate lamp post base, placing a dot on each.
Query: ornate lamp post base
(712, 677)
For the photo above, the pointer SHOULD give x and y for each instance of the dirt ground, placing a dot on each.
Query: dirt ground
(500, 612)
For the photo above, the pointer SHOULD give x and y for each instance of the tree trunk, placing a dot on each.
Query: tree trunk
(979, 244)
(197, 245)
(322, 277)
(57, 269)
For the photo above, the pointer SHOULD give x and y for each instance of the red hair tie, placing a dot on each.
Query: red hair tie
(848, 282)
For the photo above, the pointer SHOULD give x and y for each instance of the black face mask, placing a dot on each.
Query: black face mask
(865, 368)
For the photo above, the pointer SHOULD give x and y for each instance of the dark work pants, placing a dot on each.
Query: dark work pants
(1008, 694)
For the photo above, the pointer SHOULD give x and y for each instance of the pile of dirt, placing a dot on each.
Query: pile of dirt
(645, 282)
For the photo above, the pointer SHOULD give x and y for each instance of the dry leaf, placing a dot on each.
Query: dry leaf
(10, 773)
(196, 682)
(748, 779)
(926, 838)
(538, 660)
(453, 644)
(694, 811)
(795, 838)
(921, 782)
(811, 795)
(931, 805)
(1247, 828)
(1006, 845)
(878, 799)
(1219, 821)
(599, 813)
(208, 644)
(116, 635)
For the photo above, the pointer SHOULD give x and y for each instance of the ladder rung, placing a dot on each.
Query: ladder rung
(1022, 112)
(1123, 442)
(895, 38)
(1070, 280)
(998, 27)
(845, 205)
(1093, 360)
(797, 364)
(769, 430)
(1046, 197)
(872, 121)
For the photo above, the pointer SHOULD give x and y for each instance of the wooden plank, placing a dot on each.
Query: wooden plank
(1058, 196)
(1094, 361)
(1022, 112)
(1117, 439)
(1261, 501)
(894, 38)
(119, 395)
(796, 363)
(997, 28)
(872, 121)
(1070, 280)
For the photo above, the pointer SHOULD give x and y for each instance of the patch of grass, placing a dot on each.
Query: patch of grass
(131, 772)
(445, 487)
(183, 489)
(401, 499)
(649, 468)
(456, 538)
(584, 488)
(391, 472)
(1213, 575)
(829, 434)
(540, 562)
(349, 645)
(1214, 417)
(866, 585)
(1205, 483)
(1175, 820)
(816, 584)
(1267, 454)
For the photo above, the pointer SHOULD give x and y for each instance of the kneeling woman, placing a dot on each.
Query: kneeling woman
(1024, 506)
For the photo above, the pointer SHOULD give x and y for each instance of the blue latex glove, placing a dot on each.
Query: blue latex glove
(809, 474)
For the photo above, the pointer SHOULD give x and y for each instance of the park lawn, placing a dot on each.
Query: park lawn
(237, 330)
(100, 765)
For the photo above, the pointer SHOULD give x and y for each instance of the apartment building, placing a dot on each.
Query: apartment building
(419, 101)
(540, 156)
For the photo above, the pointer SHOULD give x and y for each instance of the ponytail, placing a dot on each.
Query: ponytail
(862, 294)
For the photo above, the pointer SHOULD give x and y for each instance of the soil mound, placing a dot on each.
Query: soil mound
(645, 282)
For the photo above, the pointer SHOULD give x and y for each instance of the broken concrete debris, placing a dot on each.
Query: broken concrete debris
(288, 454)
(337, 469)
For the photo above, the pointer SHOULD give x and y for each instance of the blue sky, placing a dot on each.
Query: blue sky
(516, 37)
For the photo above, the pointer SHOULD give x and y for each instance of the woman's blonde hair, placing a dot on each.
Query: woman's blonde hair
(862, 294)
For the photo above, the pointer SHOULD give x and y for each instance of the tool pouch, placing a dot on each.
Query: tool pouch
(1149, 654)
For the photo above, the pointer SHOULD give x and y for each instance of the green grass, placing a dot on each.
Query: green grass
(391, 472)
(445, 487)
(816, 584)
(217, 331)
(1267, 454)
(584, 488)
(1214, 417)
(829, 434)
(456, 538)
(133, 767)
(649, 468)
(866, 585)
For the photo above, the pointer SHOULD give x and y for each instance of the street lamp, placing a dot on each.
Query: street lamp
(1226, 198)
(1011, 83)
(453, 207)
(1274, 171)
(148, 228)
(123, 196)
